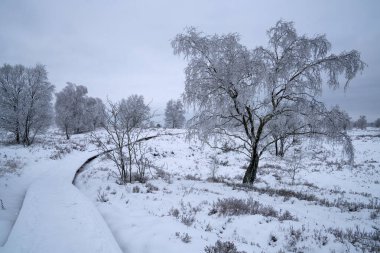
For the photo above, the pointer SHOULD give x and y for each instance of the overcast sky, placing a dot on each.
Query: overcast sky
(118, 48)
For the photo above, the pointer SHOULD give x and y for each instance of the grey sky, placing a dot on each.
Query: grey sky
(118, 48)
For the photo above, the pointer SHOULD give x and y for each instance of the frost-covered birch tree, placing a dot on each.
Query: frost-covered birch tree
(37, 108)
(25, 101)
(239, 92)
(76, 112)
(94, 113)
(11, 93)
(174, 114)
(69, 108)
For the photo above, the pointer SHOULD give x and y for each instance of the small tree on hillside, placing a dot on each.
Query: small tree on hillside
(238, 92)
(174, 114)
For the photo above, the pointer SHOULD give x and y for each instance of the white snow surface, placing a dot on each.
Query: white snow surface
(55, 216)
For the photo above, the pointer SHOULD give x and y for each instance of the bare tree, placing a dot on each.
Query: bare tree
(25, 99)
(136, 115)
(116, 135)
(237, 92)
(294, 165)
(174, 114)
(124, 124)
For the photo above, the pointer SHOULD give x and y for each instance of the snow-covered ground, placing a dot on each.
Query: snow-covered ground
(328, 207)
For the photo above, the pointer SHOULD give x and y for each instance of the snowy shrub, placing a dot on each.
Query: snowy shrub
(151, 188)
(321, 238)
(208, 228)
(185, 237)
(188, 219)
(174, 212)
(60, 151)
(350, 206)
(192, 177)
(102, 196)
(2, 204)
(292, 239)
(163, 175)
(286, 216)
(11, 166)
(222, 247)
(272, 239)
(234, 206)
(366, 241)
(136, 189)
(374, 215)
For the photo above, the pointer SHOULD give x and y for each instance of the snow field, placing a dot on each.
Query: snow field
(173, 211)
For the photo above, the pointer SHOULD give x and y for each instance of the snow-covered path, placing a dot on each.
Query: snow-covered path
(56, 217)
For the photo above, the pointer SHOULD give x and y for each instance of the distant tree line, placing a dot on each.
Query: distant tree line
(362, 123)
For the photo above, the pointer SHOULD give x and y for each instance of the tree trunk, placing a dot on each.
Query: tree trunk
(250, 173)
(17, 136)
(282, 147)
(67, 133)
(276, 146)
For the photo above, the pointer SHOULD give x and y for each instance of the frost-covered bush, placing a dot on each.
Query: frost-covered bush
(366, 241)
(188, 219)
(235, 206)
(151, 188)
(286, 216)
(163, 175)
(174, 212)
(192, 177)
(10, 166)
(136, 189)
(222, 247)
(102, 196)
(185, 237)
